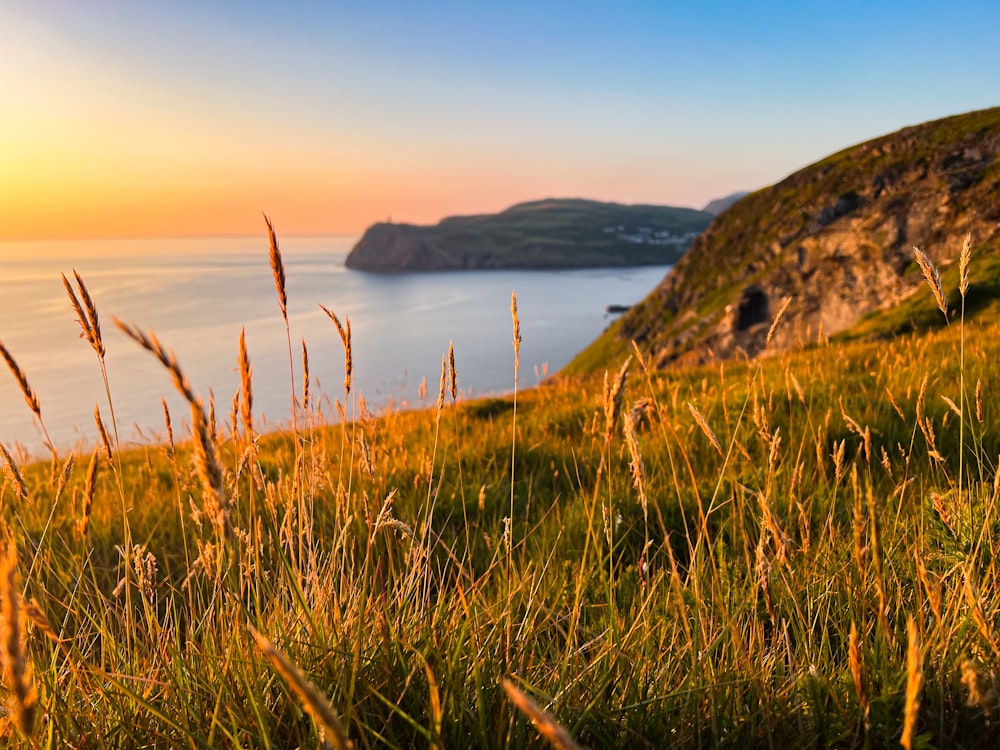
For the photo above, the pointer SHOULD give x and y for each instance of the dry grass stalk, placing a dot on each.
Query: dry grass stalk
(614, 394)
(914, 683)
(933, 279)
(246, 386)
(979, 400)
(452, 377)
(953, 406)
(305, 377)
(312, 699)
(699, 418)
(278, 268)
(152, 344)
(30, 397)
(234, 415)
(345, 339)
(516, 319)
(978, 613)
(13, 654)
(67, 472)
(543, 721)
(213, 430)
(442, 387)
(89, 489)
(86, 313)
(635, 465)
(39, 619)
(769, 522)
(169, 426)
(857, 674)
(963, 265)
(895, 404)
(981, 686)
(209, 469)
(13, 473)
(931, 590)
(366, 455)
(777, 319)
(103, 433)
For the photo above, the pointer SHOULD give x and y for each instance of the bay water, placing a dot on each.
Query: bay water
(197, 294)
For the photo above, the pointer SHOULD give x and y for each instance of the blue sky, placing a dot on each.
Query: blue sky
(190, 118)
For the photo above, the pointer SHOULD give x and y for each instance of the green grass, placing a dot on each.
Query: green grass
(380, 557)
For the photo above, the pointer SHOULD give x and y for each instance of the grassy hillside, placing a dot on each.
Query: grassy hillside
(541, 234)
(800, 551)
(836, 237)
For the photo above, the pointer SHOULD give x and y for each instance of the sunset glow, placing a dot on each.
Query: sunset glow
(149, 120)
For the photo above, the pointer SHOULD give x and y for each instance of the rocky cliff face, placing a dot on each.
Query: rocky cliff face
(836, 237)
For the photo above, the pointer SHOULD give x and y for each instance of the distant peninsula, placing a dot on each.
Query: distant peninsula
(545, 234)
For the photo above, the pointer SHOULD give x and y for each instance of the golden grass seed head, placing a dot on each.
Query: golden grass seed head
(442, 386)
(207, 463)
(103, 434)
(979, 400)
(30, 397)
(963, 265)
(933, 279)
(278, 269)
(152, 344)
(305, 377)
(345, 339)
(312, 699)
(914, 683)
(40, 620)
(982, 687)
(169, 426)
(543, 721)
(700, 420)
(777, 319)
(13, 654)
(452, 377)
(86, 314)
(13, 473)
(246, 386)
(516, 320)
(89, 490)
(614, 396)
(857, 672)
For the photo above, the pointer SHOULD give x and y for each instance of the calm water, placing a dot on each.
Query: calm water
(196, 294)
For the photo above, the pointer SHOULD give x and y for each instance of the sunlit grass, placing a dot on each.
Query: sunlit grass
(406, 579)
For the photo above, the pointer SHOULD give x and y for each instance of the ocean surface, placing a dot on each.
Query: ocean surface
(196, 294)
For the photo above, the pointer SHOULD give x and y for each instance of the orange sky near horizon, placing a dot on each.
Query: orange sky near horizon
(141, 119)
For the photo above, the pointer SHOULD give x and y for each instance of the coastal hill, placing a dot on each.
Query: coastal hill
(545, 234)
(837, 238)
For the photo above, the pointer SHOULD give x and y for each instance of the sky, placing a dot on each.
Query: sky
(180, 119)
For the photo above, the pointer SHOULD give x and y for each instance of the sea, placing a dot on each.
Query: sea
(197, 294)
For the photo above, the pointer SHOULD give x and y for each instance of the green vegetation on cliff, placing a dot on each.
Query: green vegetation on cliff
(569, 233)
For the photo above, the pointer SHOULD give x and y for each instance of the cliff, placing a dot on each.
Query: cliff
(837, 237)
